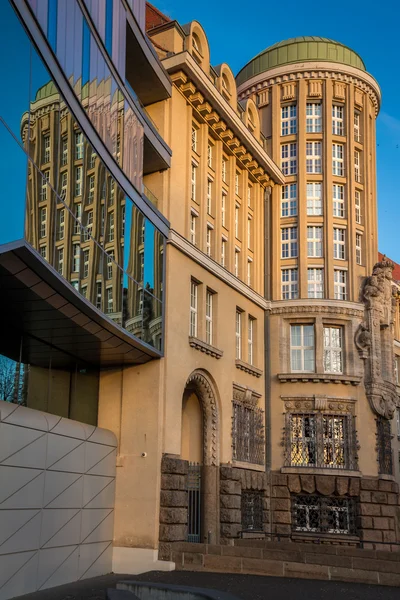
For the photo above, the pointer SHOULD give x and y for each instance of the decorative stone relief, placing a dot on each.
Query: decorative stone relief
(339, 90)
(358, 98)
(202, 386)
(263, 98)
(315, 89)
(374, 339)
(245, 395)
(288, 91)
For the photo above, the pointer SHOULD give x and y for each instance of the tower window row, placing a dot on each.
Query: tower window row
(289, 206)
(314, 119)
(314, 159)
(289, 243)
(315, 283)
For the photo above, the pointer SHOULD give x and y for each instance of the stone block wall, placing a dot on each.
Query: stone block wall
(232, 482)
(174, 499)
(379, 511)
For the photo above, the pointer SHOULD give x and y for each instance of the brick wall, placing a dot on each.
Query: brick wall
(173, 500)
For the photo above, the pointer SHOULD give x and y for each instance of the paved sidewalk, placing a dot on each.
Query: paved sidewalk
(246, 587)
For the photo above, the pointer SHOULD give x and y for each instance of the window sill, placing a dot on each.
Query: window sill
(319, 377)
(206, 348)
(240, 464)
(243, 366)
(325, 538)
(321, 471)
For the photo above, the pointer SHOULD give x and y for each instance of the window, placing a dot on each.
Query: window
(210, 155)
(237, 210)
(250, 341)
(337, 120)
(63, 185)
(238, 334)
(321, 514)
(109, 300)
(209, 196)
(314, 157)
(60, 223)
(289, 119)
(93, 157)
(193, 220)
(224, 169)
(340, 283)
(289, 242)
(43, 252)
(110, 265)
(339, 243)
(123, 213)
(237, 183)
(358, 248)
(78, 218)
(193, 182)
(194, 138)
(302, 355)
(60, 260)
(333, 342)
(237, 261)
(209, 239)
(289, 200)
(248, 440)
(315, 283)
(252, 510)
(357, 172)
(64, 150)
(102, 218)
(76, 257)
(337, 159)
(314, 241)
(78, 181)
(384, 445)
(84, 291)
(193, 309)
(86, 255)
(141, 266)
(223, 209)
(249, 237)
(78, 145)
(209, 317)
(43, 222)
(111, 226)
(314, 198)
(223, 252)
(91, 189)
(357, 203)
(249, 271)
(357, 130)
(290, 290)
(313, 117)
(289, 159)
(338, 200)
(112, 192)
(99, 294)
(43, 187)
(249, 196)
(46, 148)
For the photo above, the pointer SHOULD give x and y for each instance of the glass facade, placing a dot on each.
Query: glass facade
(57, 193)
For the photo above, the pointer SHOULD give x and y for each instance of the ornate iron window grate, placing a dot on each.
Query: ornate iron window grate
(319, 514)
(194, 502)
(252, 510)
(384, 446)
(248, 433)
(320, 440)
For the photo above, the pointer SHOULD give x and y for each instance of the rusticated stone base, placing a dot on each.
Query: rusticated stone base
(174, 499)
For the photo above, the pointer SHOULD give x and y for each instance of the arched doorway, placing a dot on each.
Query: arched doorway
(200, 446)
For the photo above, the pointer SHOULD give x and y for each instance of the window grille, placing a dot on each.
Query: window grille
(252, 510)
(247, 433)
(384, 446)
(318, 514)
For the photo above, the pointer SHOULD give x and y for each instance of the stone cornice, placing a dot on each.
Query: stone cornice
(244, 366)
(327, 307)
(204, 347)
(182, 244)
(313, 70)
(319, 378)
(183, 63)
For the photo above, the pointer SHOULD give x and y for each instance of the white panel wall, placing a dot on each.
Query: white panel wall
(57, 485)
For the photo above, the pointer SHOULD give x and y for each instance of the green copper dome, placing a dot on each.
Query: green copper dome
(300, 49)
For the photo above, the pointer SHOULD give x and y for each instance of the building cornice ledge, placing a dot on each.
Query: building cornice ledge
(182, 244)
(244, 366)
(310, 306)
(319, 378)
(194, 342)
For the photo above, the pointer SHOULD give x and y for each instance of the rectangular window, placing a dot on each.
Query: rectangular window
(384, 445)
(289, 119)
(315, 283)
(302, 352)
(193, 182)
(339, 243)
(64, 150)
(396, 363)
(60, 260)
(76, 257)
(209, 196)
(193, 309)
(303, 440)
(314, 117)
(223, 209)
(337, 120)
(249, 271)
(102, 219)
(333, 350)
(46, 148)
(237, 261)
(193, 219)
(209, 231)
(43, 187)
(357, 129)
(91, 189)
(289, 242)
(249, 236)
(357, 171)
(338, 200)
(223, 252)
(314, 241)
(209, 317)
(249, 196)
(43, 222)
(210, 155)
(93, 157)
(359, 248)
(194, 138)
(238, 334)
(85, 263)
(63, 184)
(78, 145)
(84, 291)
(252, 510)
(111, 226)
(78, 181)
(290, 289)
(250, 341)
(338, 160)
(314, 198)
(110, 264)
(319, 514)
(314, 157)
(78, 219)
(289, 200)
(60, 223)
(289, 159)
(109, 299)
(237, 183)
(43, 252)
(248, 441)
(237, 210)
(357, 203)
(224, 169)
(340, 283)
(99, 294)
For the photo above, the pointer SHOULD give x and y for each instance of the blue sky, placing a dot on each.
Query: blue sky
(239, 30)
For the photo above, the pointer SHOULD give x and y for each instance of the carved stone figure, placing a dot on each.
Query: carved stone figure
(363, 340)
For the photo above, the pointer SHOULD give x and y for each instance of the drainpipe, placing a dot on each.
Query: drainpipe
(267, 350)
